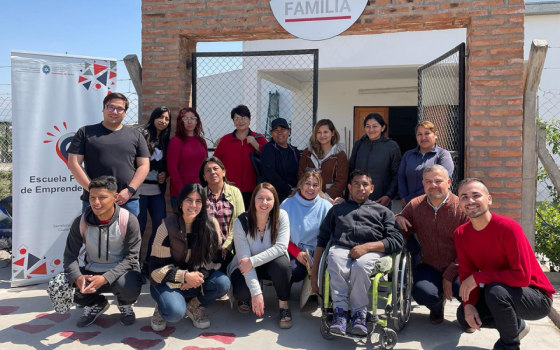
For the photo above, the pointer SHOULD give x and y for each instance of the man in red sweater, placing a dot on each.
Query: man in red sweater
(502, 283)
(434, 217)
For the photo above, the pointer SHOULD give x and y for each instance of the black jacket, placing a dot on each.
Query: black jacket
(381, 159)
(274, 169)
(351, 224)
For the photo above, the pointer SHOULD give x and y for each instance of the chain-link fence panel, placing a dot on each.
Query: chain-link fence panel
(133, 112)
(441, 100)
(5, 145)
(272, 84)
(547, 235)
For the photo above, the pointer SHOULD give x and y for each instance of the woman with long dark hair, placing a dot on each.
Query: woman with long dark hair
(187, 150)
(261, 237)
(326, 155)
(380, 156)
(156, 132)
(182, 264)
(224, 202)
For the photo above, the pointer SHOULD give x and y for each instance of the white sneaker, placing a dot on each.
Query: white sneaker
(158, 323)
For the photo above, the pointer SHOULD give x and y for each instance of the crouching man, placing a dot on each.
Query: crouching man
(112, 245)
(502, 283)
(362, 231)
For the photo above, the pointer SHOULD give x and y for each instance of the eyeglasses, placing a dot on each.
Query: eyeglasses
(110, 108)
(238, 119)
(433, 183)
(189, 119)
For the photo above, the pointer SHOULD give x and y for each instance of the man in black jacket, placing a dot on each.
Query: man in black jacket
(362, 231)
(280, 160)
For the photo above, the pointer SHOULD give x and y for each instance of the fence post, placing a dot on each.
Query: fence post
(135, 72)
(533, 74)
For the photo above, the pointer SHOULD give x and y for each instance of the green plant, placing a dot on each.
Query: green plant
(547, 223)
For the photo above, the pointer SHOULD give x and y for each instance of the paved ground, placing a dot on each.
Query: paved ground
(27, 321)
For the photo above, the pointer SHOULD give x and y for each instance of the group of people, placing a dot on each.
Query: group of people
(226, 234)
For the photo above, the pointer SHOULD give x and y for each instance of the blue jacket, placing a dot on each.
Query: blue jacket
(412, 166)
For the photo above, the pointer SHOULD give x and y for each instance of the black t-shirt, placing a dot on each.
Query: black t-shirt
(108, 152)
(291, 164)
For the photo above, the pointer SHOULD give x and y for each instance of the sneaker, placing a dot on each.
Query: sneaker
(158, 323)
(340, 319)
(198, 316)
(91, 313)
(127, 315)
(523, 329)
(359, 324)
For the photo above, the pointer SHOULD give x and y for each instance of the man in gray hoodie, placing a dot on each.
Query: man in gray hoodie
(112, 246)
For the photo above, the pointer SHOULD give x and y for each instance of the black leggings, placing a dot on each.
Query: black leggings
(500, 306)
(277, 270)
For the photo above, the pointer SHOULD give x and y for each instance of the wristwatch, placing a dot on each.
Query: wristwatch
(131, 190)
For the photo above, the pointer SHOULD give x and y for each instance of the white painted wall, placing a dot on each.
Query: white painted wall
(393, 49)
(338, 98)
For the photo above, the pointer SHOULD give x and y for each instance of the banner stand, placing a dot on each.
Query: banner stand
(52, 97)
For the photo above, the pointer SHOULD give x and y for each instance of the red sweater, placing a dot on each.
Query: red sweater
(183, 162)
(234, 153)
(498, 253)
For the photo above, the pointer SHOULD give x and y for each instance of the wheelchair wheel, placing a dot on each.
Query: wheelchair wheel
(325, 331)
(402, 291)
(388, 338)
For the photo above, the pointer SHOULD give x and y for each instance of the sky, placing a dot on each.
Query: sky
(97, 28)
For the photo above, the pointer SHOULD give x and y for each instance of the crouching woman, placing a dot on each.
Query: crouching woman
(182, 262)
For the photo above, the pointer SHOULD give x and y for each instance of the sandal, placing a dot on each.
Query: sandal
(285, 313)
(243, 307)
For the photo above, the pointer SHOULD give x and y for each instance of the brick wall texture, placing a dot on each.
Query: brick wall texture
(494, 75)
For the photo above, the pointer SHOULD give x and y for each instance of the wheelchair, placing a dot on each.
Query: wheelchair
(396, 279)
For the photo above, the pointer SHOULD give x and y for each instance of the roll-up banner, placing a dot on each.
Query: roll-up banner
(52, 97)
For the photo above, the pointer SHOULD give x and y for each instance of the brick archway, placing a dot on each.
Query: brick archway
(494, 69)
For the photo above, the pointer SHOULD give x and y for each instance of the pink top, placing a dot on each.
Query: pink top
(183, 162)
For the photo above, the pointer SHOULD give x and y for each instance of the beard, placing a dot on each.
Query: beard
(476, 213)
(435, 194)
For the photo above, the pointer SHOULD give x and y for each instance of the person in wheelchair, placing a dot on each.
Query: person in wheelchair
(362, 232)
(434, 217)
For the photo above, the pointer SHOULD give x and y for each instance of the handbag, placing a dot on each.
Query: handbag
(61, 293)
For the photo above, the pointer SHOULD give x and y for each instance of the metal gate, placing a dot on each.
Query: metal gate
(271, 83)
(441, 100)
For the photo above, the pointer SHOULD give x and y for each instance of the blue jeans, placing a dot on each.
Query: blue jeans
(173, 199)
(171, 301)
(132, 206)
(155, 205)
(428, 288)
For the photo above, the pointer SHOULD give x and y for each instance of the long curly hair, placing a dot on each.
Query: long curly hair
(181, 130)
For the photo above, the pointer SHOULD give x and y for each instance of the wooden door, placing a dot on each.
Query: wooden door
(360, 113)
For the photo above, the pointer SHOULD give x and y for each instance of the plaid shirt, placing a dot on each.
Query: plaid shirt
(221, 209)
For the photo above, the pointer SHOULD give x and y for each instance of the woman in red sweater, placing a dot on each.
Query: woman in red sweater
(187, 149)
(234, 151)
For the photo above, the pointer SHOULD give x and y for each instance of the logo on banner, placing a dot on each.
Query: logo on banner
(46, 69)
(95, 74)
(317, 19)
(62, 143)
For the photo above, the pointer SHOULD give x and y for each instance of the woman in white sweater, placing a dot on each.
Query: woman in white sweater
(261, 237)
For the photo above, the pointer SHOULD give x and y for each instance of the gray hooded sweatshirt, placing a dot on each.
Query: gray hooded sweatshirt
(106, 251)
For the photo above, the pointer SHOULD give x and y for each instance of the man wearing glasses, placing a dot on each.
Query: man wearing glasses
(434, 217)
(112, 149)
